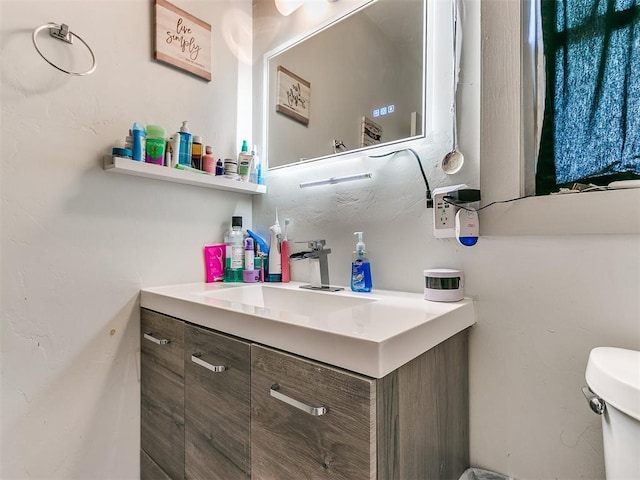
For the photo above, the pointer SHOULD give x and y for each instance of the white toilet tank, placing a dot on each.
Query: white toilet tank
(614, 375)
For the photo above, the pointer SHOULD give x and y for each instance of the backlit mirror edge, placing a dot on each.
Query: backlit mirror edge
(382, 149)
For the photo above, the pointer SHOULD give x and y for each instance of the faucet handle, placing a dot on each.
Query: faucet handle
(315, 245)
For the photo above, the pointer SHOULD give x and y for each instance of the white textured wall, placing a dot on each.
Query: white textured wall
(77, 243)
(543, 302)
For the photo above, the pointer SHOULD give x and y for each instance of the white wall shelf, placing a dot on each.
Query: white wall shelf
(159, 172)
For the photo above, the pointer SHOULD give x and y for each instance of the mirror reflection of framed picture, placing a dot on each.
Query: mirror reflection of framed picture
(371, 133)
(293, 95)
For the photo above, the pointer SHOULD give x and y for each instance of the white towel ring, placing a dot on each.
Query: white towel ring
(62, 32)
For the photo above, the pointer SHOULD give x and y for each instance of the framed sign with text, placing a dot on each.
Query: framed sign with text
(182, 40)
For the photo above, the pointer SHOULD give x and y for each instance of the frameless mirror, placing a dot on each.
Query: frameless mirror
(353, 85)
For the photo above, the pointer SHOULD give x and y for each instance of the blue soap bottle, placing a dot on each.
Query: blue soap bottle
(186, 142)
(360, 268)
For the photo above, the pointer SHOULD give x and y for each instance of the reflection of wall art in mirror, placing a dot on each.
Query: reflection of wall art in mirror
(182, 40)
(294, 96)
(371, 133)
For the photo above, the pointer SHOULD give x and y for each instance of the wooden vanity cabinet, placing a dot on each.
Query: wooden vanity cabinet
(313, 421)
(217, 406)
(161, 396)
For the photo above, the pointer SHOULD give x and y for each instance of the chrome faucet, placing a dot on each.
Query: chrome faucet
(318, 261)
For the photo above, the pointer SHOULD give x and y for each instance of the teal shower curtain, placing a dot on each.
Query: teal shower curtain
(591, 126)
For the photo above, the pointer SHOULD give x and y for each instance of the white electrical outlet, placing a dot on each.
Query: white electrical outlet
(444, 213)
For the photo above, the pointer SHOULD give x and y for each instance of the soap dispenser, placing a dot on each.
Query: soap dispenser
(360, 268)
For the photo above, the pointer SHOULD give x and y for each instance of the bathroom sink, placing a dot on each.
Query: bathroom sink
(368, 333)
(279, 300)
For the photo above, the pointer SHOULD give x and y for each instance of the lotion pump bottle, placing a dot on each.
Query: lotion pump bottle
(360, 268)
(244, 162)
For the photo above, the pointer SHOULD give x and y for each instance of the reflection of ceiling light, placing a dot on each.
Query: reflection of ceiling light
(287, 7)
(334, 180)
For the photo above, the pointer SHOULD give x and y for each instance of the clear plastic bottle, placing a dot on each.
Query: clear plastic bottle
(258, 166)
(253, 171)
(235, 251)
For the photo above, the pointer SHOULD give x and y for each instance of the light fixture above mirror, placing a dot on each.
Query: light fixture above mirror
(351, 85)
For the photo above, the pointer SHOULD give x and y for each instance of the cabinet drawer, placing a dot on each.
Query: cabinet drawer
(162, 340)
(162, 393)
(217, 406)
(293, 442)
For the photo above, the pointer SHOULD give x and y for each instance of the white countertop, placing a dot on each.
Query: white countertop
(369, 333)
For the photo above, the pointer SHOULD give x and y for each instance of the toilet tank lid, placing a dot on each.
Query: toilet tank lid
(614, 374)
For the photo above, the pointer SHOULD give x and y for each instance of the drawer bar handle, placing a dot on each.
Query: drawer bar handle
(149, 336)
(315, 411)
(195, 358)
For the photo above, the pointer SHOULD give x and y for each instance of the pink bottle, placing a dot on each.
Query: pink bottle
(209, 161)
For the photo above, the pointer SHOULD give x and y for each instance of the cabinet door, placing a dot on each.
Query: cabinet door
(309, 420)
(162, 392)
(150, 469)
(217, 406)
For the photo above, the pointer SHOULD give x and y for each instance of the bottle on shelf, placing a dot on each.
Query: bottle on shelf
(174, 141)
(253, 172)
(219, 167)
(196, 152)
(155, 145)
(208, 160)
(184, 158)
(244, 162)
(231, 168)
(138, 135)
(258, 166)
